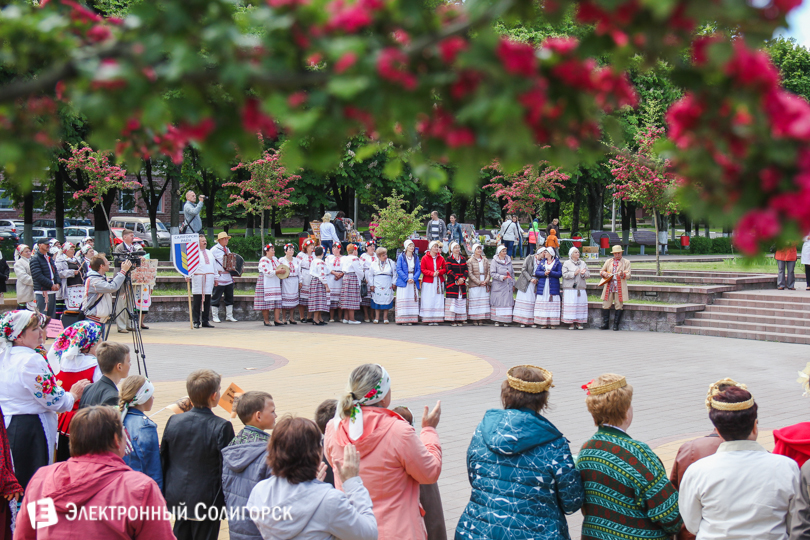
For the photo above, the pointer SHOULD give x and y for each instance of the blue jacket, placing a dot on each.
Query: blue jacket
(523, 479)
(145, 455)
(553, 277)
(244, 466)
(402, 270)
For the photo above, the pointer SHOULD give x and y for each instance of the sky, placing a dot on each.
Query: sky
(799, 24)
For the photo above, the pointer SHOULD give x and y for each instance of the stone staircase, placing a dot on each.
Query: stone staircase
(764, 316)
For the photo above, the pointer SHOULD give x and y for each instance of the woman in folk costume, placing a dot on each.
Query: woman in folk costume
(68, 269)
(353, 273)
(305, 258)
(501, 300)
(10, 489)
(382, 277)
(318, 302)
(72, 358)
(291, 285)
(87, 255)
(334, 265)
(30, 397)
(396, 459)
(408, 272)
(547, 305)
(478, 283)
(25, 282)
(368, 258)
(433, 268)
(203, 281)
(616, 467)
(455, 305)
(268, 287)
(575, 293)
(527, 290)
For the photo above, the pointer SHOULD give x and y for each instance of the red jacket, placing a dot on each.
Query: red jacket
(94, 484)
(793, 442)
(786, 254)
(427, 268)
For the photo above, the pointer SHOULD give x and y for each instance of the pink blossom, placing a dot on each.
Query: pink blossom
(345, 62)
(256, 121)
(682, 117)
(449, 48)
(789, 115)
(752, 68)
(756, 226)
(392, 65)
(517, 58)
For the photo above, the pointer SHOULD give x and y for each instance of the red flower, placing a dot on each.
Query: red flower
(466, 83)
(256, 121)
(756, 226)
(81, 13)
(517, 58)
(371, 393)
(348, 19)
(752, 68)
(682, 117)
(392, 65)
(401, 36)
(789, 115)
(587, 385)
(99, 33)
(345, 62)
(297, 99)
(450, 47)
(561, 45)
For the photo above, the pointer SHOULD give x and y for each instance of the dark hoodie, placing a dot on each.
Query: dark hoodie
(81, 488)
(523, 479)
(243, 466)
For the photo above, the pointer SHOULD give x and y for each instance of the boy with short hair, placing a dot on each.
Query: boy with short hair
(190, 455)
(245, 460)
(114, 363)
(323, 414)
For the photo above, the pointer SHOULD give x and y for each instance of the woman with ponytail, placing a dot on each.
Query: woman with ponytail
(137, 397)
(396, 460)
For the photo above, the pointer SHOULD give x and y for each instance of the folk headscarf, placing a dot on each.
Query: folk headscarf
(12, 325)
(146, 391)
(18, 251)
(475, 247)
(375, 395)
(68, 346)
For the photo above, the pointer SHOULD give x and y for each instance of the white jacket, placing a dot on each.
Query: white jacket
(312, 510)
(25, 283)
(805, 251)
(509, 231)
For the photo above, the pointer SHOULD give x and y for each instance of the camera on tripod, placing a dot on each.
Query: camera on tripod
(132, 256)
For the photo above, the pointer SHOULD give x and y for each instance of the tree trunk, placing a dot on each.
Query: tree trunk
(102, 226)
(706, 229)
(277, 232)
(448, 209)
(596, 194)
(657, 246)
(479, 214)
(175, 199)
(262, 230)
(249, 226)
(59, 194)
(575, 211)
(28, 219)
(462, 209)
(624, 211)
(687, 224)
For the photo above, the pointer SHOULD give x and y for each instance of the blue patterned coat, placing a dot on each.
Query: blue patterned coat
(523, 479)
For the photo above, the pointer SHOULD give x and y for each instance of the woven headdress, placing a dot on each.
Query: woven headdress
(530, 387)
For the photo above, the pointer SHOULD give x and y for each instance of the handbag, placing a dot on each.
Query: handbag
(363, 289)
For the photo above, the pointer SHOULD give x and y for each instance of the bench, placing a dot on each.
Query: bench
(644, 238)
(613, 239)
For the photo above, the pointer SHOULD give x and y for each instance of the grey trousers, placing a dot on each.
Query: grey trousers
(791, 279)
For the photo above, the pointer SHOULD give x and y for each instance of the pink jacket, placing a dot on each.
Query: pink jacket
(82, 488)
(393, 462)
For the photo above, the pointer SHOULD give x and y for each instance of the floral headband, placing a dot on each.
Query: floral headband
(269, 247)
(289, 246)
(308, 242)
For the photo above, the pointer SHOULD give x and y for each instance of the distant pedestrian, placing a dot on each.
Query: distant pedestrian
(786, 262)
(436, 228)
(509, 235)
(805, 261)
(191, 213)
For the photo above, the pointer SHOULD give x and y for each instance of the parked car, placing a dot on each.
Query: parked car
(115, 238)
(142, 228)
(8, 225)
(77, 222)
(9, 239)
(39, 232)
(75, 235)
(45, 223)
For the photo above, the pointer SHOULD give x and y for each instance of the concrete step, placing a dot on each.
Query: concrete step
(742, 334)
(756, 318)
(758, 304)
(789, 297)
(783, 313)
(747, 326)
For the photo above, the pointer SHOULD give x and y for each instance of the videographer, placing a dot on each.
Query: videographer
(97, 304)
(191, 212)
(122, 252)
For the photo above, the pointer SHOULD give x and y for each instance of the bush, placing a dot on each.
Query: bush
(721, 245)
(700, 245)
(489, 251)
(159, 253)
(250, 248)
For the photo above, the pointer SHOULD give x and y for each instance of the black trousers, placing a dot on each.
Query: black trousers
(185, 529)
(219, 290)
(29, 447)
(196, 303)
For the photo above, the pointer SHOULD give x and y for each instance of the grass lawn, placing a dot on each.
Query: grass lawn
(641, 282)
(175, 274)
(597, 298)
(729, 265)
(184, 292)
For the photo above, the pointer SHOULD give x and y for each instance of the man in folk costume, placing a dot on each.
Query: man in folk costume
(224, 280)
(614, 292)
(202, 285)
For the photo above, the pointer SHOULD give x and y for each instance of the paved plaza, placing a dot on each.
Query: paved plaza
(464, 367)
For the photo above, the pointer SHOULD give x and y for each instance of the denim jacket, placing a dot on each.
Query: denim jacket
(145, 454)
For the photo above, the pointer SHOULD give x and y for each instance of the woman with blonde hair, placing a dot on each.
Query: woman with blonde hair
(520, 466)
(368, 257)
(334, 266)
(290, 286)
(478, 283)
(137, 395)
(616, 467)
(547, 304)
(395, 459)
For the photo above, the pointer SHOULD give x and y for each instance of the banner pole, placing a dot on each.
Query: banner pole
(190, 315)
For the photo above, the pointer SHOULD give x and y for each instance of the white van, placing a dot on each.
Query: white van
(143, 229)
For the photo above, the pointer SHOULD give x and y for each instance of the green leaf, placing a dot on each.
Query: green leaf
(366, 151)
(347, 87)
(393, 169)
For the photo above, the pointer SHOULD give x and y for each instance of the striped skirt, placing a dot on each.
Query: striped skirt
(350, 293)
(574, 306)
(455, 309)
(501, 314)
(407, 304)
(303, 294)
(335, 290)
(547, 313)
(260, 301)
(318, 297)
(524, 306)
(432, 304)
(366, 300)
(289, 293)
(478, 303)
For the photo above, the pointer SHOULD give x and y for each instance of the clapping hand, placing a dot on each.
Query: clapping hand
(351, 463)
(431, 419)
(321, 474)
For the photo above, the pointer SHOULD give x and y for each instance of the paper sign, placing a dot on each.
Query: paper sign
(226, 401)
(146, 273)
(54, 328)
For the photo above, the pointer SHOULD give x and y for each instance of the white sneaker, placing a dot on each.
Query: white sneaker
(345, 321)
(352, 322)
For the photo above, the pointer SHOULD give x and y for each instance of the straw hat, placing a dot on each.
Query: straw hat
(617, 249)
(222, 235)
